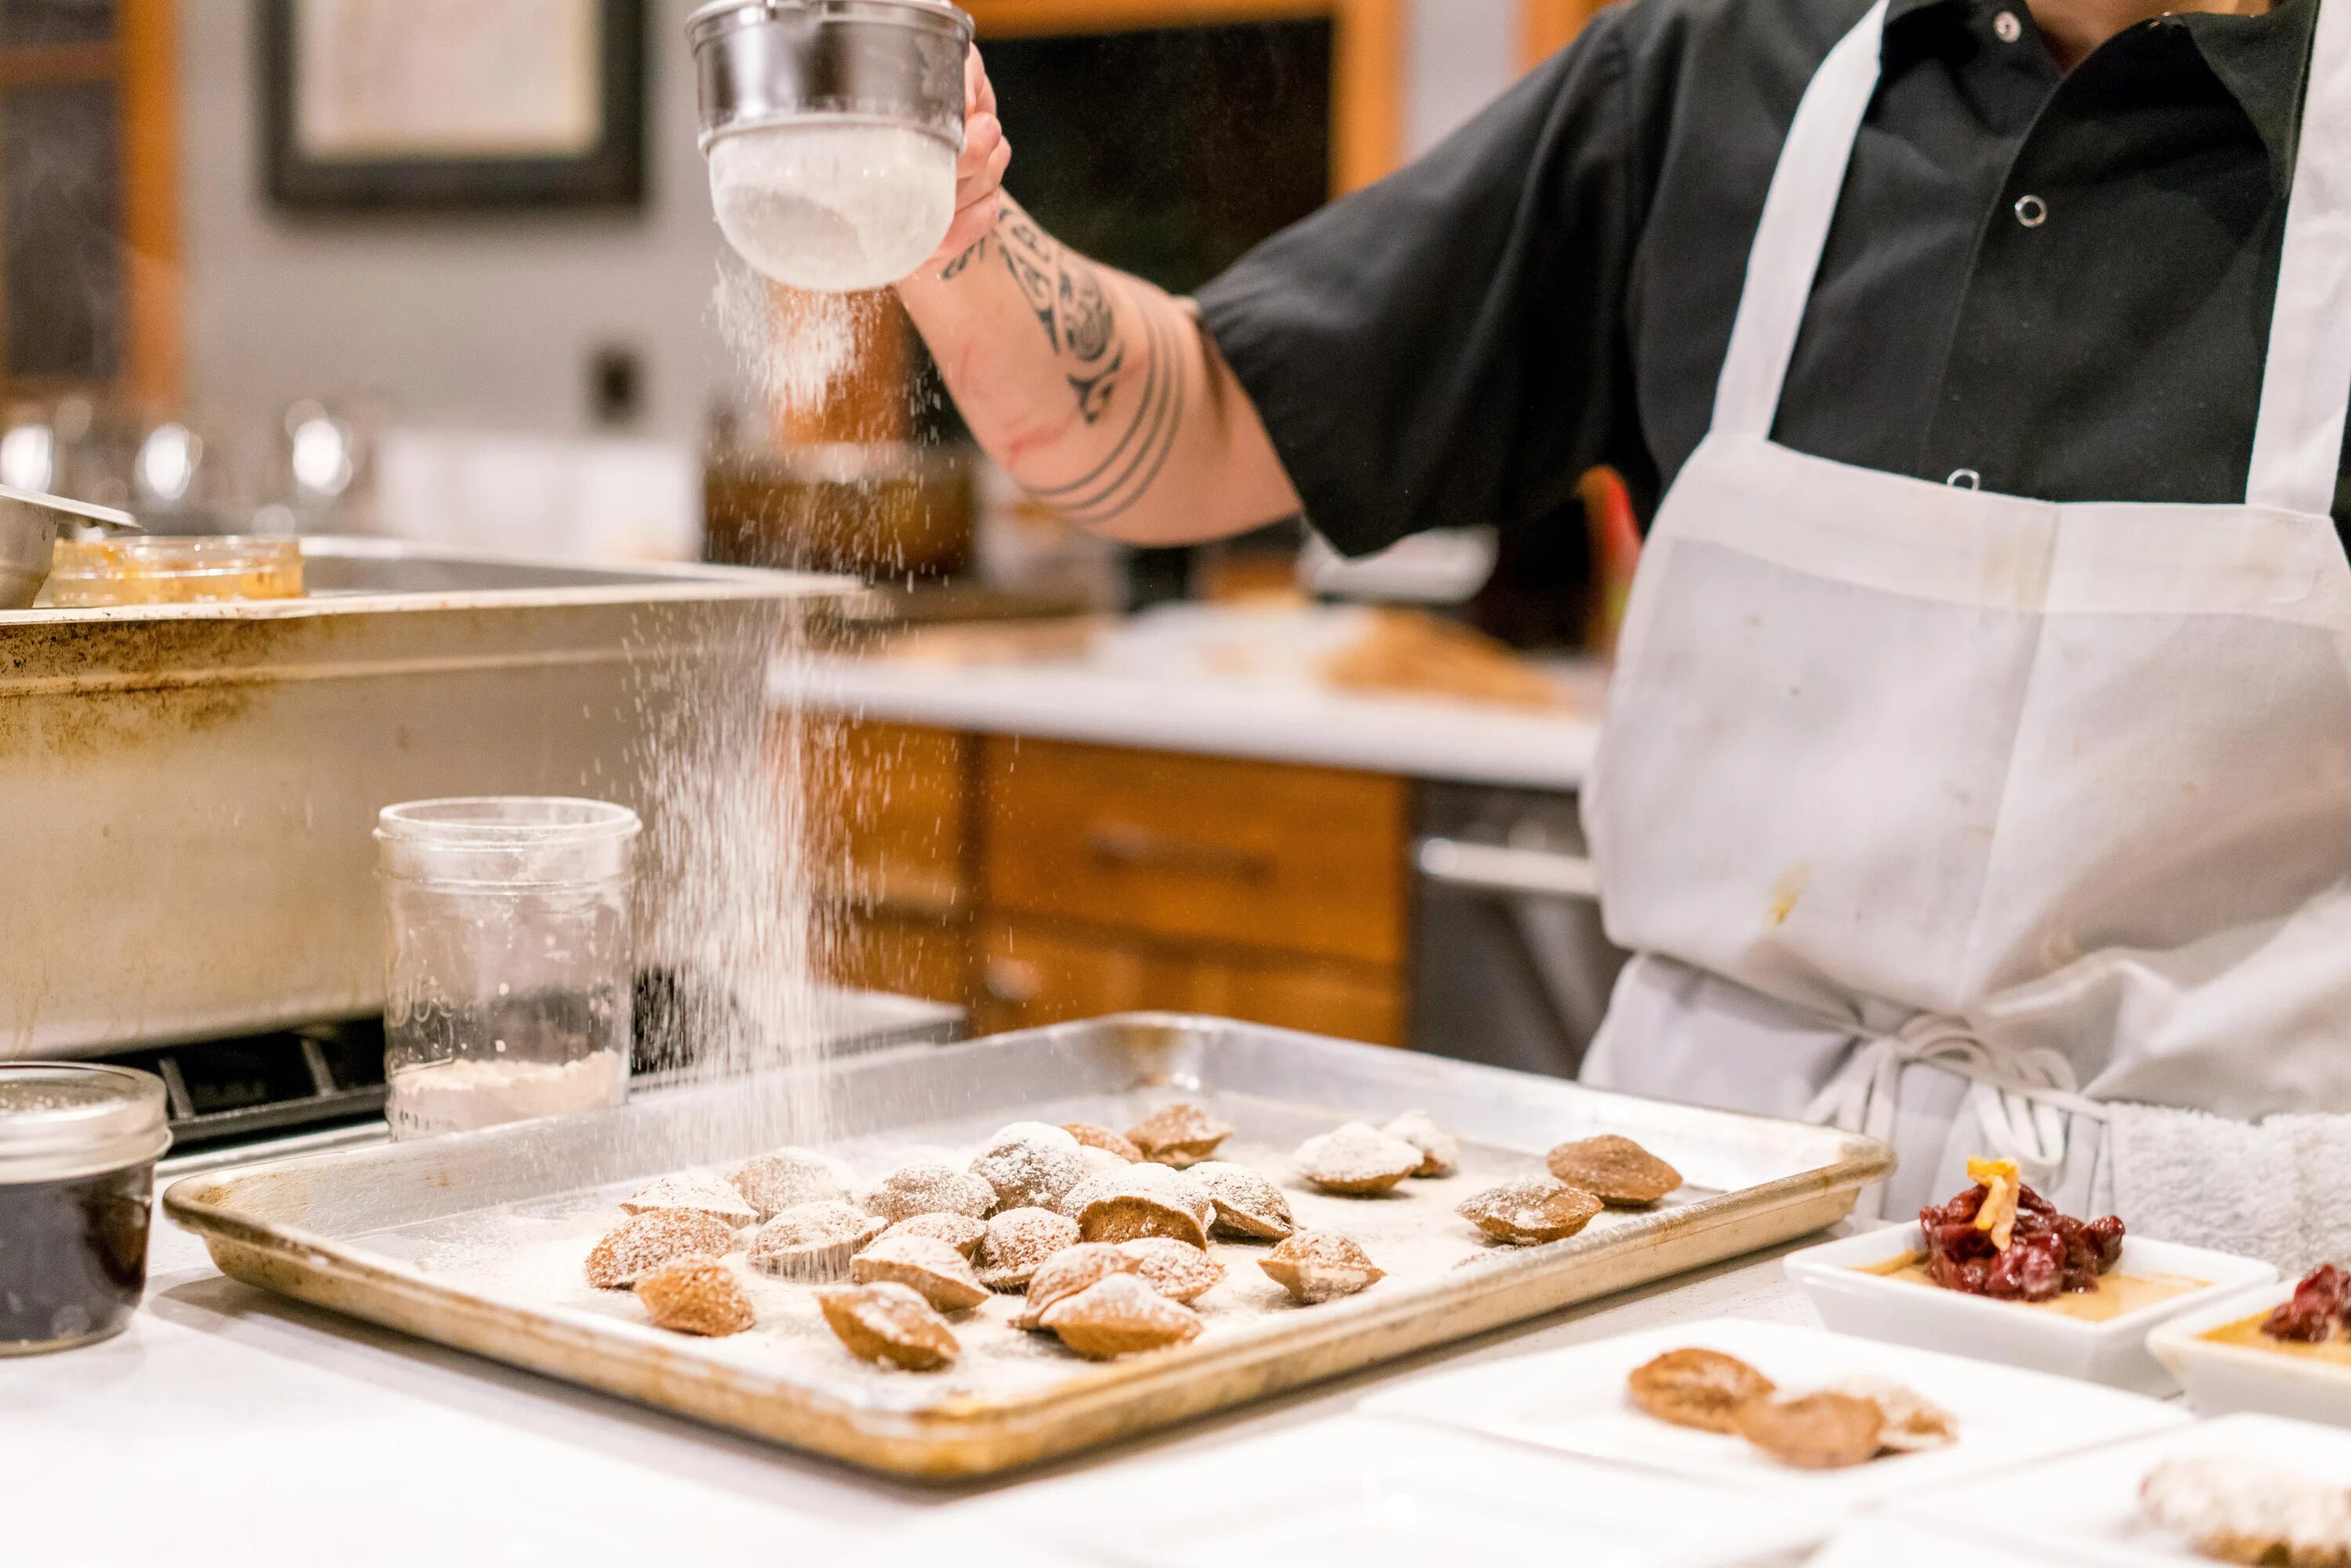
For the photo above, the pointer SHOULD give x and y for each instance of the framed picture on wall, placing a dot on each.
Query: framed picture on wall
(453, 103)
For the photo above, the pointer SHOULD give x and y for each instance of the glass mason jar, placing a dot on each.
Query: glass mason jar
(508, 981)
(78, 1149)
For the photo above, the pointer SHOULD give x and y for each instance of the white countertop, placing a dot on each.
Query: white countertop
(1222, 684)
(229, 1426)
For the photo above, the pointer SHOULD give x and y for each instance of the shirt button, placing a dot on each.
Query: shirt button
(2006, 27)
(2031, 212)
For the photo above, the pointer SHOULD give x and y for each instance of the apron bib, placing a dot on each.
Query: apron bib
(1951, 816)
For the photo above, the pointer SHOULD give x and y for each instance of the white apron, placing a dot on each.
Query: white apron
(1956, 817)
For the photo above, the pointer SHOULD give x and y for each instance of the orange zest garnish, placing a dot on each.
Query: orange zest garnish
(2002, 1187)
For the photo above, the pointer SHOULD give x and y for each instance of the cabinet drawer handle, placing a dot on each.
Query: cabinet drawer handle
(1131, 844)
(1495, 868)
(1011, 980)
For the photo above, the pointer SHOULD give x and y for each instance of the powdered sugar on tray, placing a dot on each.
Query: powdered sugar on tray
(532, 1255)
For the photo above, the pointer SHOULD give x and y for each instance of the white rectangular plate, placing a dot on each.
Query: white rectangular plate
(2113, 1353)
(1372, 1494)
(1882, 1542)
(1574, 1401)
(2087, 1503)
(2223, 1378)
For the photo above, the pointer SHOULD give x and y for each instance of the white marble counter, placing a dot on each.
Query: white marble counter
(1221, 684)
(229, 1426)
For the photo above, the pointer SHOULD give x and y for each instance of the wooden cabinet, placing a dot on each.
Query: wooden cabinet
(1038, 882)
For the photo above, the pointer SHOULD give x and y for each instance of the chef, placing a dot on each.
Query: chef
(1977, 772)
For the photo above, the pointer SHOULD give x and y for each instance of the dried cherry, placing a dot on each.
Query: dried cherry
(2048, 1253)
(2321, 1298)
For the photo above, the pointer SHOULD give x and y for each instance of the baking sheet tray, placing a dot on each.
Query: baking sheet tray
(451, 1239)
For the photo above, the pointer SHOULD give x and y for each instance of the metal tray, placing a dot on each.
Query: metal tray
(350, 1231)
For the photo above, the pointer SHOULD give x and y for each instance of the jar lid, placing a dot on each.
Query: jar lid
(59, 1120)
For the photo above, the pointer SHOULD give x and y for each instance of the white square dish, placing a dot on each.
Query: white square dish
(2086, 1505)
(1876, 1542)
(1574, 1401)
(2222, 1378)
(1905, 1312)
(1372, 1494)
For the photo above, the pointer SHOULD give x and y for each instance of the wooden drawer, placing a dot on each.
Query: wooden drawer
(889, 815)
(1036, 973)
(1256, 855)
(908, 954)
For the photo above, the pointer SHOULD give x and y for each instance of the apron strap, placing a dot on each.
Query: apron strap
(2298, 440)
(1795, 230)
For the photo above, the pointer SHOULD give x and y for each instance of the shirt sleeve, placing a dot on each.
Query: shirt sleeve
(1448, 347)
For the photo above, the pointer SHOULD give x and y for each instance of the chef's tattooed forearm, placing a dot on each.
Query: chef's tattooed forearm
(1133, 466)
(1066, 293)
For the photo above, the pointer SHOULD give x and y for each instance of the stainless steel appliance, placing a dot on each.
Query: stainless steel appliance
(765, 63)
(1510, 963)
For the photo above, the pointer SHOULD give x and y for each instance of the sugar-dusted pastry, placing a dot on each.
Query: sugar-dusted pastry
(1178, 1136)
(1147, 1199)
(697, 1195)
(889, 1323)
(2246, 1510)
(1358, 1160)
(1530, 1211)
(1177, 1270)
(812, 1241)
(931, 1268)
(1120, 1315)
(1016, 1241)
(789, 1177)
(1440, 1152)
(1094, 1161)
(928, 1189)
(1247, 1205)
(1813, 1431)
(960, 1232)
(644, 1242)
(1316, 1266)
(1030, 1165)
(1102, 1138)
(1617, 1170)
(1069, 1270)
(1913, 1422)
(696, 1296)
(1701, 1388)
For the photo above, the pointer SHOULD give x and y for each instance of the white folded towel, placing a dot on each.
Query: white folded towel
(2277, 1189)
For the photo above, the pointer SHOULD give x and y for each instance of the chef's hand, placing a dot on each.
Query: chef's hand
(979, 173)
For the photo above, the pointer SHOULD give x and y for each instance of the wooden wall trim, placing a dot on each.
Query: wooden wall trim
(1367, 73)
(148, 86)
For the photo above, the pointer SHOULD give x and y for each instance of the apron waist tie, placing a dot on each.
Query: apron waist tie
(2021, 1095)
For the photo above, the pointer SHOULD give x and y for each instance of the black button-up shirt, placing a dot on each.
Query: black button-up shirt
(2061, 281)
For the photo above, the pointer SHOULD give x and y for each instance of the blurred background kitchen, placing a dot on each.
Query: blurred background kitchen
(446, 270)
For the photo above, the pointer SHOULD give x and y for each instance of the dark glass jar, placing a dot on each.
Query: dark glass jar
(78, 1150)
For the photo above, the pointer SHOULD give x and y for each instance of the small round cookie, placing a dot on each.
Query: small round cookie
(888, 1324)
(1102, 1138)
(1067, 1272)
(1357, 1160)
(1178, 1136)
(696, 1296)
(1317, 1266)
(1440, 1151)
(1694, 1387)
(1145, 1199)
(1248, 1207)
(960, 1232)
(928, 1189)
(1030, 1165)
(787, 1179)
(1096, 1161)
(1617, 1170)
(1177, 1270)
(1815, 1431)
(931, 1268)
(1120, 1315)
(1016, 1243)
(694, 1194)
(1530, 1211)
(1913, 1421)
(812, 1241)
(643, 1242)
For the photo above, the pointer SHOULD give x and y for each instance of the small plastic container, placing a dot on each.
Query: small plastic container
(163, 568)
(509, 974)
(79, 1144)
